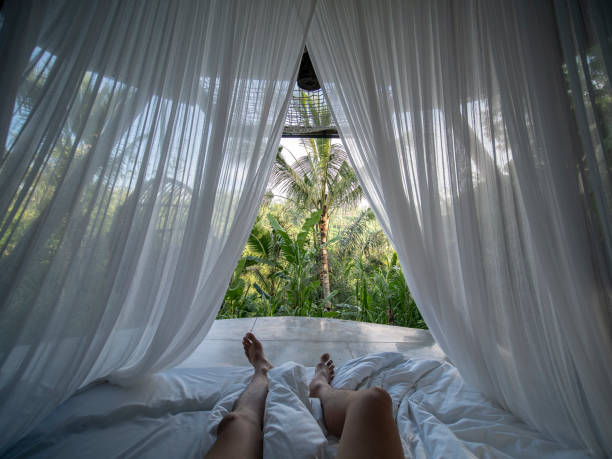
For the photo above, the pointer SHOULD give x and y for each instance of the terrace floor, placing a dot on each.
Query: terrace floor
(304, 339)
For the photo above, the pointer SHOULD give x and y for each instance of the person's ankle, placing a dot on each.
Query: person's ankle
(316, 388)
(262, 370)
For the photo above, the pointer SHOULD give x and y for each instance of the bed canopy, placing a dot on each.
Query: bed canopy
(138, 140)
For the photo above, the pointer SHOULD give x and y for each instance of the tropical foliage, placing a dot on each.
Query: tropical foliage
(278, 272)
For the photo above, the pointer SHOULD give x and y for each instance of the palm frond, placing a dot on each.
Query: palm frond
(337, 157)
(258, 242)
(348, 199)
(289, 180)
(374, 240)
(353, 237)
(345, 191)
(267, 200)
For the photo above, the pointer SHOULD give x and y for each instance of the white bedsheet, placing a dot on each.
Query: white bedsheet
(176, 413)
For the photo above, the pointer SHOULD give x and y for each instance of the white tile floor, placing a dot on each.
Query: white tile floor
(304, 339)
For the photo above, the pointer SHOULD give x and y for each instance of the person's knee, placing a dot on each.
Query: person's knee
(375, 400)
(239, 421)
(379, 396)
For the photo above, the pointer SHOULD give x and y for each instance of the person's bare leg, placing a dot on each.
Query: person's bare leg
(333, 401)
(239, 432)
(363, 419)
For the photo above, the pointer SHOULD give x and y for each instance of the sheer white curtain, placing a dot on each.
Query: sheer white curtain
(137, 142)
(585, 32)
(458, 122)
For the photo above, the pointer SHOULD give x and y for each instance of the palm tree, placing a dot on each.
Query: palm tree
(322, 181)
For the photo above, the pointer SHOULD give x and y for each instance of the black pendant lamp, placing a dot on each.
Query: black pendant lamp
(307, 78)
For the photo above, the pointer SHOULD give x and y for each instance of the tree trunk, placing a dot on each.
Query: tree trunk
(390, 316)
(324, 262)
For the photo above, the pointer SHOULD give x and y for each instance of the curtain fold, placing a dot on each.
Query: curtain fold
(138, 137)
(585, 32)
(458, 122)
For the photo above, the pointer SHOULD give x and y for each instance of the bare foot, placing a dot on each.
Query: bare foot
(254, 352)
(324, 373)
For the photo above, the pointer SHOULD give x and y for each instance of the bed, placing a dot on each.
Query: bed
(175, 414)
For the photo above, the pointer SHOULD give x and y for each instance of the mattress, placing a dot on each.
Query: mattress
(176, 413)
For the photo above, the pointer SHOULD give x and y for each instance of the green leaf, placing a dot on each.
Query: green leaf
(331, 314)
(332, 241)
(261, 291)
(288, 248)
(308, 224)
(275, 224)
(240, 267)
(251, 261)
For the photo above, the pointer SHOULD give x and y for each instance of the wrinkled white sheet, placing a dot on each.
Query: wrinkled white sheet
(176, 413)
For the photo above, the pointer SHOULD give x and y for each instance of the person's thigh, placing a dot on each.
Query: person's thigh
(238, 437)
(369, 428)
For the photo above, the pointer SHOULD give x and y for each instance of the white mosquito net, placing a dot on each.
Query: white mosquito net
(138, 139)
